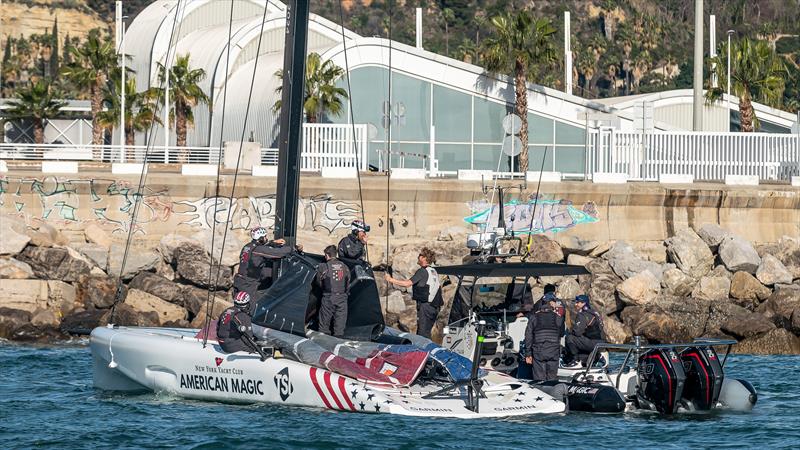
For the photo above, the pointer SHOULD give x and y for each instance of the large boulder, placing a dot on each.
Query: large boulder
(170, 242)
(746, 324)
(568, 288)
(712, 288)
(789, 254)
(194, 266)
(653, 251)
(126, 315)
(45, 235)
(747, 290)
(772, 271)
(99, 291)
(783, 308)
(626, 263)
(138, 260)
(639, 289)
(11, 268)
(544, 249)
(95, 253)
(720, 271)
(46, 318)
(83, 322)
(574, 245)
(94, 234)
(61, 297)
(677, 283)
(11, 243)
(670, 319)
(159, 286)
(229, 251)
(688, 251)
(24, 295)
(55, 263)
(143, 302)
(217, 308)
(712, 234)
(775, 342)
(738, 254)
(616, 332)
(196, 299)
(395, 302)
(602, 287)
(578, 260)
(12, 320)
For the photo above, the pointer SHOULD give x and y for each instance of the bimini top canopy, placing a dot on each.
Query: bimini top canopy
(512, 270)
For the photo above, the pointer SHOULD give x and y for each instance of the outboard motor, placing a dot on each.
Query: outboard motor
(661, 379)
(704, 377)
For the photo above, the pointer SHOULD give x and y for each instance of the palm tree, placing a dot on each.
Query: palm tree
(322, 96)
(756, 73)
(36, 102)
(447, 16)
(521, 42)
(185, 94)
(140, 107)
(91, 62)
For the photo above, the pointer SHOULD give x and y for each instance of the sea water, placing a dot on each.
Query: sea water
(47, 400)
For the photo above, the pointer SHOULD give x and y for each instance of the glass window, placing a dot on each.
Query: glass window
(535, 155)
(567, 134)
(451, 115)
(489, 120)
(570, 159)
(415, 96)
(486, 157)
(453, 156)
(540, 130)
(370, 89)
(410, 160)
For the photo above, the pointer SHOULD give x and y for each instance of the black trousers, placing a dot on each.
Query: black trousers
(235, 345)
(426, 318)
(333, 314)
(579, 347)
(544, 370)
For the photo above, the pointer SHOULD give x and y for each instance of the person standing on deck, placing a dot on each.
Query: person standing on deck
(425, 290)
(334, 278)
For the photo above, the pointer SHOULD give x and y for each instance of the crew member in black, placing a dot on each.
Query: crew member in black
(352, 247)
(334, 278)
(249, 275)
(234, 328)
(425, 290)
(543, 340)
(587, 331)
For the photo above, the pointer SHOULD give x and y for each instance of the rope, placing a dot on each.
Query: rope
(241, 145)
(143, 175)
(535, 203)
(389, 148)
(352, 120)
(212, 281)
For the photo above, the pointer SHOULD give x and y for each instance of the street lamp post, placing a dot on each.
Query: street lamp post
(730, 33)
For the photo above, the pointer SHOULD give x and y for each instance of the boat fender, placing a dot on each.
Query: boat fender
(737, 395)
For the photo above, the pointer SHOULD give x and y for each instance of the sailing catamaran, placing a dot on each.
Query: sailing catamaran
(375, 369)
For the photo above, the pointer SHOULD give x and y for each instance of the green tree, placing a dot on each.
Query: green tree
(521, 43)
(54, 52)
(757, 73)
(184, 94)
(140, 107)
(36, 102)
(92, 61)
(322, 96)
(447, 17)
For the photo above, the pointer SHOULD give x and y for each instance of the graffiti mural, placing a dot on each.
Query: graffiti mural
(550, 216)
(65, 201)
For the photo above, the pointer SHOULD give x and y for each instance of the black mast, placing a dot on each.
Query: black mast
(291, 123)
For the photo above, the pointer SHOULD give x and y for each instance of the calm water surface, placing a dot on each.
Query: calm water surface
(47, 400)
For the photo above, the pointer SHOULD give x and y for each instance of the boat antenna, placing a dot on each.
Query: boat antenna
(533, 213)
(139, 195)
(212, 281)
(209, 302)
(352, 120)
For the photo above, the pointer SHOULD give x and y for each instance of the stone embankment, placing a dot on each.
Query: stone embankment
(698, 283)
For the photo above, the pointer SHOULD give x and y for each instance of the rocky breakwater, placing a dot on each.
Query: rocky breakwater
(52, 289)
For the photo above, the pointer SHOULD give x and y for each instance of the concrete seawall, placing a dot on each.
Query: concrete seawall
(417, 209)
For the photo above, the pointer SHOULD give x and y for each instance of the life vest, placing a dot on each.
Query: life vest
(244, 260)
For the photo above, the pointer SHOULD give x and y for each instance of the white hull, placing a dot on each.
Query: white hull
(173, 361)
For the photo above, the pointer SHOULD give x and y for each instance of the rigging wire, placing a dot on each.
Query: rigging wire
(139, 195)
(352, 120)
(533, 213)
(389, 6)
(212, 281)
(241, 145)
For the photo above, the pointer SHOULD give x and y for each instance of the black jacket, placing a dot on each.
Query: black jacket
(334, 277)
(350, 248)
(543, 334)
(232, 325)
(588, 323)
(262, 257)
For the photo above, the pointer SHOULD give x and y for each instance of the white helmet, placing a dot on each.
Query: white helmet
(242, 299)
(258, 233)
(359, 225)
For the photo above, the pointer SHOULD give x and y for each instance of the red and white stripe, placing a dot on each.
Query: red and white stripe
(331, 389)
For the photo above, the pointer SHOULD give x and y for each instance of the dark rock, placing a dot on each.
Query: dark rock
(83, 322)
(745, 324)
(159, 286)
(544, 249)
(668, 320)
(783, 308)
(12, 320)
(98, 291)
(177, 324)
(193, 265)
(738, 254)
(195, 299)
(775, 342)
(126, 316)
(688, 251)
(54, 263)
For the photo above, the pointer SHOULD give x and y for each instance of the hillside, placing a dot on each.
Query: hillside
(29, 17)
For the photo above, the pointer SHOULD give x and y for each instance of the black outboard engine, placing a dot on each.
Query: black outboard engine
(704, 377)
(661, 379)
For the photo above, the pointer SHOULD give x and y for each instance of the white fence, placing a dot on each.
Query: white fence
(331, 145)
(706, 156)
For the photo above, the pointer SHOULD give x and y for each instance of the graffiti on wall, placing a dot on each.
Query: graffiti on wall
(550, 215)
(112, 202)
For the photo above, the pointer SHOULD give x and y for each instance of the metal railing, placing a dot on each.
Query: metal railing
(704, 155)
(331, 145)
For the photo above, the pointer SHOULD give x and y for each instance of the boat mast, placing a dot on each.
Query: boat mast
(291, 120)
